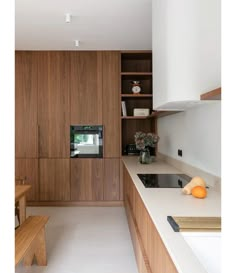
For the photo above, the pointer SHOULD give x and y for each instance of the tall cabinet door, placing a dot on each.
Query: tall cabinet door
(29, 168)
(111, 179)
(54, 176)
(26, 142)
(86, 87)
(53, 104)
(86, 179)
(111, 102)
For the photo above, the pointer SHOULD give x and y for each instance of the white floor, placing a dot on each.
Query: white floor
(85, 240)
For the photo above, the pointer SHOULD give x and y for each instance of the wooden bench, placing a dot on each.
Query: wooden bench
(30, 241)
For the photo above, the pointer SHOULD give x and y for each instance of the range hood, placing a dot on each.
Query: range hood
(205, 98)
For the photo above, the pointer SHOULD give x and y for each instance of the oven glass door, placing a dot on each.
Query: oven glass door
(86, 142)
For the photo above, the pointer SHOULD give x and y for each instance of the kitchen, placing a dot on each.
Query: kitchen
(200, 151)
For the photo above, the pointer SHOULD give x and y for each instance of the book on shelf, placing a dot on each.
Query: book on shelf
(124, 110)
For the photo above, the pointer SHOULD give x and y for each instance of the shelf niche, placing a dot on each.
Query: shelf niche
(136, 66)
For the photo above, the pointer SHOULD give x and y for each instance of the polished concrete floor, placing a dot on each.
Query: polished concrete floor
(85, 240)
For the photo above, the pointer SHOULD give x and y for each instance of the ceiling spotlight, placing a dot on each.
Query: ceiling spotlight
(67, 17)
(77, 43)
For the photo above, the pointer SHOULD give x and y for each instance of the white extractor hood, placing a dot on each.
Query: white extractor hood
(186, 52)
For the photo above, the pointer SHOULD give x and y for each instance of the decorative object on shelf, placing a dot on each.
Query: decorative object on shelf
(136, 88)
(124, 110)
(143, 142)
(131, 149)
(141, 112)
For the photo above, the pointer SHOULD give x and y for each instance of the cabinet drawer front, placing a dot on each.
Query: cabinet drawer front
(54, 177)
(86, 179)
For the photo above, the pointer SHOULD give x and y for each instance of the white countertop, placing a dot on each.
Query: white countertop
(162, 202)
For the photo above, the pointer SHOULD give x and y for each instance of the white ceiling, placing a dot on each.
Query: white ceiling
(98, 24)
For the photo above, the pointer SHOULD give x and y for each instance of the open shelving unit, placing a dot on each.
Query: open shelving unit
(136, 66)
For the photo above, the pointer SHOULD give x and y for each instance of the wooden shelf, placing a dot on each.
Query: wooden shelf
(136, 73)
(136, 95)
(212, 95)
(139, 117)
(160, 114)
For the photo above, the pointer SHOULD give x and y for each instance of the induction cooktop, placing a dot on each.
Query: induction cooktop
(164, 180)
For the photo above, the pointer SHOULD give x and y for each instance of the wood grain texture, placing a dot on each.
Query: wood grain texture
(139, 251)
(153, 250)
(29, 240)
(121, 181)
(111, 102)
(197, 223)
(86, 179)
(53, 104)
(130, 127)
(212, 95)
(76, 203)
(54, 179)
(29, 168)
(37, 249)
(86, 87)
(26, 105)
(112, 179)
(21, 190)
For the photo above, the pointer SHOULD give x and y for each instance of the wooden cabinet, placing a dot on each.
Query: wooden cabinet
(86, 179)
(29, 168)
(111, 103)
(56, 89)
(26, 130)
(86, 87)
(150, 251)
(111, 179)
(53, 104)
(54, 179)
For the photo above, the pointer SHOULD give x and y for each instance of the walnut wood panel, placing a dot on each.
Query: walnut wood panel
(141, 218)
(212, 95)
(140, 255)
(133, 103)
(153, 249)
(86, 87)
(111, 179)
(53, 104)
(54, 179)
(111, 102)
(26, 105)
(145, 83)
(160, 261)
(86, 179)
(77, 203)
(121, 181)
(130, 127)
(136, 61)
(29, 168)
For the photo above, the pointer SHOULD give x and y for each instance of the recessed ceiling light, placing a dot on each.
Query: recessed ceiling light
(67, 17)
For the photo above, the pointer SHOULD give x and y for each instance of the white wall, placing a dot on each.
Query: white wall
(197, 132)
(186, 50)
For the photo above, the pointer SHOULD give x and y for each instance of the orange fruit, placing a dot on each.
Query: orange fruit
(199, 192)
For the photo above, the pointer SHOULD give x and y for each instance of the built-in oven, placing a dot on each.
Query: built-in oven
(86, 141)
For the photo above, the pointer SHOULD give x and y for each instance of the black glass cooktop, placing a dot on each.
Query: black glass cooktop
(164, 180)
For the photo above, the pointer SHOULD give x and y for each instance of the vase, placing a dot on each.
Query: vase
(145, 157)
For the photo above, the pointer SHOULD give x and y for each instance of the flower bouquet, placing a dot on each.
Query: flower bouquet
(143, 142)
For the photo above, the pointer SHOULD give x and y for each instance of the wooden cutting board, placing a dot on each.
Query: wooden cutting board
(196, 224)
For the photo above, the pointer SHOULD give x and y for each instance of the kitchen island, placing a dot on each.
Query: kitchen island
(161, 202)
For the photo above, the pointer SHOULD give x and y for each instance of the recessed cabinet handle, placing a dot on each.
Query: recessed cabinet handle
(38, 140)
